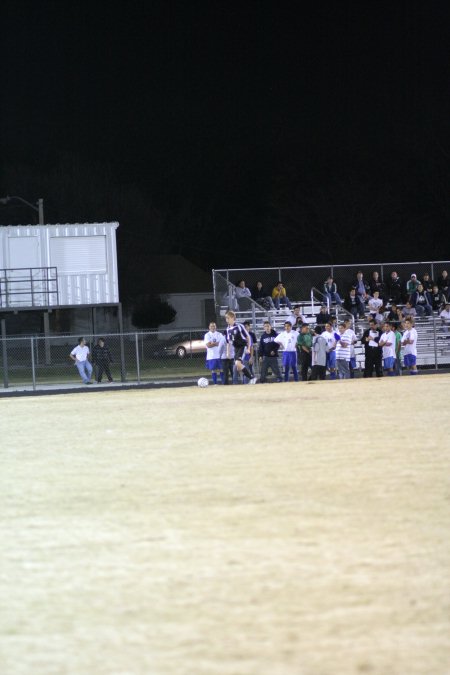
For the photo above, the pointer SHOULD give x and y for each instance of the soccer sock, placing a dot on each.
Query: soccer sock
(222, 377)
(245, 371)
(214, 378)
(332, 376)
(391, 373)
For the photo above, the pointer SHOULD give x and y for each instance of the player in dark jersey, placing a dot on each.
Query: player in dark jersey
(237, 336)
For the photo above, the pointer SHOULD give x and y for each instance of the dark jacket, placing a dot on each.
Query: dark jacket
(365, 335)
(101, 355)
(267, 346)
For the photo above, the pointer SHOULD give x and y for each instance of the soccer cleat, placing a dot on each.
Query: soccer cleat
(253, 380)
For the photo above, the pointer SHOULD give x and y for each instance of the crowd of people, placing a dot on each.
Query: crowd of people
(423, 296)
(307, 353)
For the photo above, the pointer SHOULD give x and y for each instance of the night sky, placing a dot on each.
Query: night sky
(234, 133)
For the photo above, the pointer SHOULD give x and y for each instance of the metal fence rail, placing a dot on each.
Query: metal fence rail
(38, 361)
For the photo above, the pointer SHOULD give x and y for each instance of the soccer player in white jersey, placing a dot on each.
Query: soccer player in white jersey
(409, 342)
(387, 342)
(330, 338)
(288, 340)
(212, 342)
(349, 329)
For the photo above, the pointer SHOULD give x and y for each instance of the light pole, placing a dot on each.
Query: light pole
(39, 206)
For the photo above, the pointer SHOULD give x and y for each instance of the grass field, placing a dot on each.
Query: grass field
(292, 529)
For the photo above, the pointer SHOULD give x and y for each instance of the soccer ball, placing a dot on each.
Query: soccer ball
(203, 382)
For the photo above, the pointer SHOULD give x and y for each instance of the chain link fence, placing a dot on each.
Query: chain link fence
(299, 281)
(150, 357)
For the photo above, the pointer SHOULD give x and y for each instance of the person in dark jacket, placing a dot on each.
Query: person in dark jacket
(268, 353)
(372, 351)
(101, 357)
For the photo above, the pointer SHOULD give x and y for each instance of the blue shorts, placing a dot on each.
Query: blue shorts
(331, 360)
(289, 359)
(409, 360)
(389, 363)
(214, 364)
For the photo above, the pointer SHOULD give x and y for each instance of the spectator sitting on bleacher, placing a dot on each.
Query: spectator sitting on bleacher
(437, 299)
(262, 297)
(445, 317)
(243, 295)
(394, 288)
(376, 284)
(374, 304)
(412, 285)
(443, 282)
(330, 291)
(421, 301)
(296, 318)
(395, 313)
(362, 293)
(323, 317)
(427, 282)
(408, 311)
(351, 303)
(279, 296)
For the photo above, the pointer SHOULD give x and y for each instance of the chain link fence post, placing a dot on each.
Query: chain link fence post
(33, 369)
(138, 368)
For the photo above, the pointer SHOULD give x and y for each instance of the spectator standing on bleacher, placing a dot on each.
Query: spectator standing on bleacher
(394, 288)
(288, 340)
(279, 296)
(409, 342)
(372, 350)
(304, 345)
(443, 282)
(268, 353)
(330, 291)
(362, 293)
(262, 297)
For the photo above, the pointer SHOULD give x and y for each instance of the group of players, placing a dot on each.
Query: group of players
(230, 355)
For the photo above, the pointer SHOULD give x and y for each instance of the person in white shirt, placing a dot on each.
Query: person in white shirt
(80, 356)
(409, 342)
(374, 304)
(330, 337)
(445, 317)
(387, 342)
(288, 340)
(213, 340)
(343, 345)
(349, 327)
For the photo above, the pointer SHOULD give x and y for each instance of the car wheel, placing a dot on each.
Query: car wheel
(180, 352)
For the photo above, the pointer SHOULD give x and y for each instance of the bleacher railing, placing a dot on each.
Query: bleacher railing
(298, 281)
